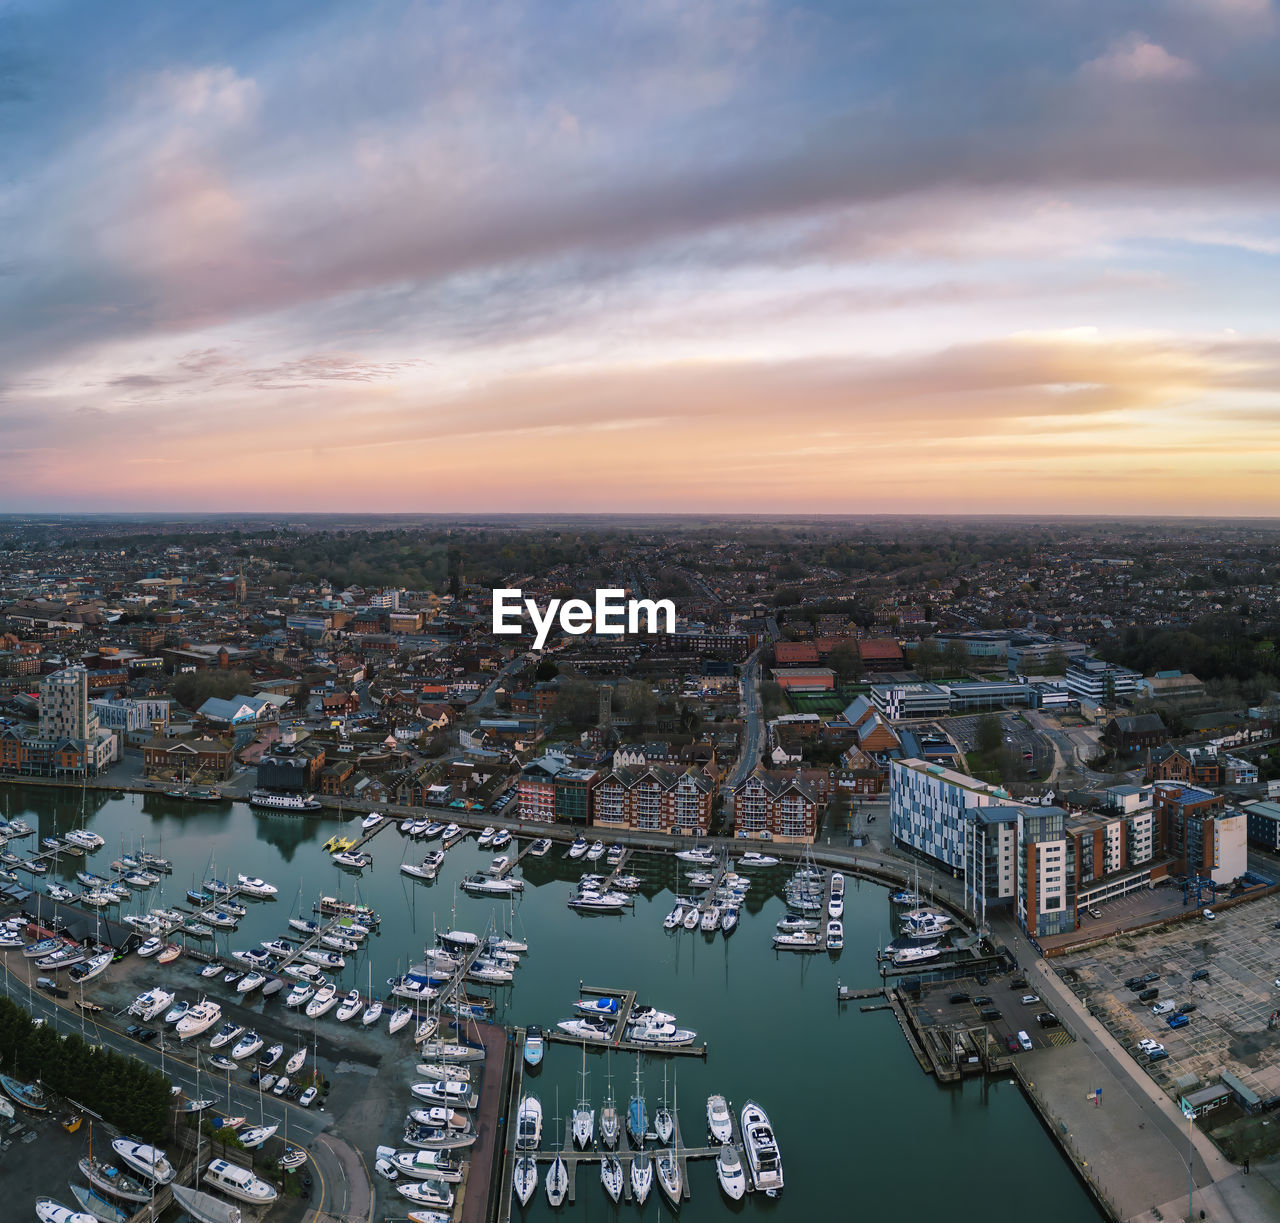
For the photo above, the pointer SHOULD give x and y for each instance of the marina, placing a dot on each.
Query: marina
(735, 992)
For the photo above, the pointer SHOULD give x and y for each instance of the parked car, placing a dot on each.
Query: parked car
(1202, 974)
(306, 1097)
(1047, 1019)
(1178, 1021)
(989, 1013)
(982, 1000)
(1146, 1044)
(959, 997)
(1186, 1008)
(1157, 1055)
(1149, 995)
(1151, 976)
(1011, 1042)
(1162, 1008)
(1209, 915)
(1095, 912)
(1030, 999)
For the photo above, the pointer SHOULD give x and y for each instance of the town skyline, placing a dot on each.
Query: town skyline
(757, 258)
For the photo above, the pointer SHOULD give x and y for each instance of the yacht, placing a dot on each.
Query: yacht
(525, 1178)
(246, 1046)
(719, 1119)
(540, 847)
(557, 1181)
(802, 940)
(674, 918)
(794, 924)
(425, 869)
(596, 852)
(599, 902)
(399, 1017)
(304, 925)
(584, 1116)
(177, 1011)
(102, 1175)
(198, 1020)
(660, 1034)
(578, 848)
(487, 885)
(147, 1006)
(148, 1160)
(300, 993)
(372, 1013)
(501, 839)
(751, 858)
(637, 1114)
(451, 831)
(204, 1207)
(84, 839)
(609, 1114)
(711, 919)
(451, 1092)
(249, 982)
(587, 1029)
(597, 1006)
(370, 821)
(439, 1116)
(255, 1136)
(226, 1034)
(437, 1138)
(534, 1045)
(442, 1072)
(763, 1155)
(914, 955)
(649, 1014)
(641, 1176)
(330, 960)
(529, 1124)
(670, 1180)
(325, 999)
(730, 1174)
(271, 1056)
(222, 919)
(48, 1210)
(427, 1165)
(92, 967)
(67, 956)
(452, 1051)
(728, 920)
(283, 802)
(252, 886)
(611, 1177)
(238, 1182)
(296, 1061)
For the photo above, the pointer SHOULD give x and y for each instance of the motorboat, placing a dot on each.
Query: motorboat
(579, 848)
(49, 1210)
(67, 956)
(596, 852)
(751, 858)
(249, 982)
(371, 821)
(256, 1135)
(599, 902)
(304, 925)
(835, 934)
(177, 1011)
(801, 940)
(529, 1124)
(92, 967)
(147, 1006)
(486, 837)
(614, 855)
(221, 919)
(296, 1061)
(277, 946)
(597, 1006)
(353, 859)
(110, 1179)
(329, 960)
(730, 1173)
(698, 855)
(540, 848)
(433, 1193)
(252, 886)
(711, 919)
(534, 1045)
(649, 1014)
(524, 1178)
(442, 1072)
(325, 999)
(43, 947)
(670, 1179)
(271, 1056)
(219, 1062)
(452, 1092)
(501, 839)
(60, 893)
(487, 885)
(906, 956)
(198, 1020)
(641, 1176)
(292, 1158)
(449, 1050)
(719, 1119)
(419, 870)
(611, 1177)
(226, 1034)
(84, 839)
(794, 924)
(372, 1013)
(761, 1147)
(300, 993)
(351, 1006)
(674, 918)
(728, 920)
(148, 1160)
(450, 831)
(586, 1029)
(661, 1034)
(238, 1182)
(557, 1181)
(440, 1116)
(204, 1207)
(691, 916)
(247, 1046)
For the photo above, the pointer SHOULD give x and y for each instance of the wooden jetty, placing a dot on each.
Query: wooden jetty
(514, 862)
(367, 835)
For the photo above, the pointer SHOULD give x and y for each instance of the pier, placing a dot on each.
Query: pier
(626, 1002)
(510, 866)
(367, 835)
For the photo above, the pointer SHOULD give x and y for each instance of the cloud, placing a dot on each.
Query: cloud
(1136, 59)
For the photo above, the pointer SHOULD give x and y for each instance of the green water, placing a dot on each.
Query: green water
(863, 1132)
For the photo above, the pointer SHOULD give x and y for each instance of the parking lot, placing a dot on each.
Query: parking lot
(1229, 1028)
(936, 1009)
(1018, 736)
(1123, 913)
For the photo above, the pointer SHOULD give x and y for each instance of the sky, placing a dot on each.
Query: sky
(891, 256)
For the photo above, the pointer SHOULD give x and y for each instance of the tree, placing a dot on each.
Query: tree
(545, 670)
(927, 657)
(576, 703)
(196, 687)
(846, 661)
(640, 703)
(988, 735)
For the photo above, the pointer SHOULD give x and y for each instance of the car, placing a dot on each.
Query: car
(1149, 995)
(981, 978)
(1163, 1008)
(1095, 912)
(1030, 999)
(1186, 1008)
(959, 997)
(386, 1169)
(1047, 1019)
(307, 1096)
(1200, 974)
(1178, 1021)
(989, 1013)
(1135, 984)
(1209, 915)
(1157, 1055)
(134, 1030)
(871, 819)
(1011, 1041)
(1024, 1040)
(982, 1000)
(1151, 976)
(1146, 1044)
(1018, 983)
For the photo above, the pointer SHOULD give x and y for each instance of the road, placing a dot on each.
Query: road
(486, 701)
(749, 755)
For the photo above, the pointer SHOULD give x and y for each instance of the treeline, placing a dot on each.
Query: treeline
(1216, 647)
(122, 1090)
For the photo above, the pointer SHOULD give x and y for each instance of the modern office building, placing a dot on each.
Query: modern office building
(1099, 682)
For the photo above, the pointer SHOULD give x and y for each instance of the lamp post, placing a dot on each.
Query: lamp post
(1190, 1114)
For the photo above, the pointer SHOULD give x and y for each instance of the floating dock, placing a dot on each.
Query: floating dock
(626, 1002)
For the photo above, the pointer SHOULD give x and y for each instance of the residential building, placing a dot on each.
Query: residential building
(1264, 825)
(1203, 835)
(928, 806)
(65, 712)
(552, 790)
(1045, 899)
(780, 804)
(654, 798)
(990, 864)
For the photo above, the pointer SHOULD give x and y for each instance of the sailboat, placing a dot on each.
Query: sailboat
(663, 1122)
(557, 1173)
(641, 1176)
(637, 1115)
(611, 1176)
(670, 1178)
(609, 1113)
(584, 1116)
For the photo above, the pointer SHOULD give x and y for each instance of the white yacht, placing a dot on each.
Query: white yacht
(198, 1019)
(729, 1172)
(250, 885)
(48, 1210)
(584, 1116)
(751, 858)
(914, 955)
(226, 1034)
(246, 1046)
(586, 1029)
(325, 999)
(296, 1062)
(670, 1180)
(719, 1119)
(148, 1160)
(399, 1017)
(697, 855)
(835, 934)
(529, 1124)
(255, 1136)
(351, 1006)
(611, 1176)
(147, 1006)
(428, 1193)
(557, 1181)
(300, 993)
(204, 1207)
(372, 1013)
(525, 1178)
(427, 1165)
(763, 1155)
(641, 1176)
(239, 1182)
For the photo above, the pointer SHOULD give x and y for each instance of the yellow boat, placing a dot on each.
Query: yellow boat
(330, 844)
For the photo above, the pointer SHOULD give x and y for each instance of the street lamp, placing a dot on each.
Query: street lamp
(1190, 1114)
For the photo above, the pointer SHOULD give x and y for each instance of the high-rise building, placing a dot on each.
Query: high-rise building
(928, 805)
(65, 712)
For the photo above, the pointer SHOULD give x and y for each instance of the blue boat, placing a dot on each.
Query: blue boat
(29, 1095)
(597, 1006)
(98, 1206)
(534, 1045)
(637, 1114)
(198, 898)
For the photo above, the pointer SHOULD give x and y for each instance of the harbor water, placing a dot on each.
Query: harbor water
(862, 1130)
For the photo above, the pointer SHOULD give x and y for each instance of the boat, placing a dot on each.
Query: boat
(637, 1114)
(674, 918)
(439, 1116)
(540, 848)
(221, 919)
(400, 1017)
(29, 1095)
(168, 953)
(252, 886)
(719, 1119)
(300, 993)
(109, 1179)
(697, 855)
(226, 1034)
(427, 1165)
(256, 1135)
(599, 902)
(370, 821)
(524, 1178)
(249, 982)
(586, 1029)
(450, 831)
(751, 858)
(271, 1056)
(761, 1147)
(691, 917)
(660, 1034)
(597, 1006)
(351, 1006)
(270, 801)
(93, 1203)
(501, 839)
(835, 934)
(204, 1207)
(557, 1181)
(730, 1173)
(330, 960)
(146, 1159)
(238, 1182)
(794, 924)
(419, 870)
(534, 1045)
(649, 1014)
(458, 1071)
(292, 1158)
(325, 998)
(487, 885)
(428, 1193)
(452, 1092)
(177, 1011)
(218, 1062)
(43, 947)
(67, 956)
(304, 925)
(611, 1177)
(584, 1116)
(59, 892)
(372, 1013)
(486, 837)
(641, 1176)
(84, 839)
(246, 1046)
(48, 1210)
(147, 1006)
(451, 1051)
(529, 1124)
(437, 1138)
(729, 920)
(670, 1180)
(198, 1020)
(353, 859)
(596, 852)
(664, 1123)
(801, 940)
(578, 848)
(904, 957)
(907, 899)
(296, 1062)
(92, 967)
(711, 919)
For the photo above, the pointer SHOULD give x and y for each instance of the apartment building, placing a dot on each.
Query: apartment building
(780, 804)
(928, 806)
(654, 798)
(552, 790)
(1204, 836)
